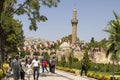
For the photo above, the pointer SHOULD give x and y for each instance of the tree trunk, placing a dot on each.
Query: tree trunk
(2, 44)
(2, 39)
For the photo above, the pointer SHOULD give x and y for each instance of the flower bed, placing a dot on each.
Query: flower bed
(91, 74)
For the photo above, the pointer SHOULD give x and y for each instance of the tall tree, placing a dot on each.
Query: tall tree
(9, 8)
(86, 58)
(93, 43)
(92, 40)
(114, 41)
(31, 8)
(102, 44)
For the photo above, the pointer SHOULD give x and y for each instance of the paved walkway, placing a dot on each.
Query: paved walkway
(58, 75)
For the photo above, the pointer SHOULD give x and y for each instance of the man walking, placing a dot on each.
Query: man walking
(16, 67)
(36, 65)
(53, 63)
(83, 67)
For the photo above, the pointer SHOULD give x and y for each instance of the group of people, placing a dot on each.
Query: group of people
(32, 66)
(50, 62)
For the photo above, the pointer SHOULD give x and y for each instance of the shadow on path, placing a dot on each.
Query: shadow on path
(54, 75)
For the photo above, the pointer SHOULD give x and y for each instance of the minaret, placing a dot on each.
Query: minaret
(74, 22)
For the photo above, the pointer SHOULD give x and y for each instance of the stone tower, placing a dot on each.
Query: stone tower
(74, 22)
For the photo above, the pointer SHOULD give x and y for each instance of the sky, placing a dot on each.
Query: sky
(93, 17)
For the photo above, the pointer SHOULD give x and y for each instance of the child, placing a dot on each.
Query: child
(29, 68)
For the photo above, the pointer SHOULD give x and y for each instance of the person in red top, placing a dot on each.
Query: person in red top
(45, 64)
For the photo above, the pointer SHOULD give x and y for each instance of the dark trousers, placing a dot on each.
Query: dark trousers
(53, 68)
(46, 68)
(16, 75)
(83, 69)
(22, 75)
(36, 69)
(42, 68)
(50, 68)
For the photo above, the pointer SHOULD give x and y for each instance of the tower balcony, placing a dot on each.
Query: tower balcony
(74, 21)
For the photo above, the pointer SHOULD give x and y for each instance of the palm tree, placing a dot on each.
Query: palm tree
(113, 43)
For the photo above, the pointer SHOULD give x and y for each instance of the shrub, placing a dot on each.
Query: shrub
(67, 69)
(117, 73)
(5, 67)
(89, 74)
(1, 73)
(106, 77)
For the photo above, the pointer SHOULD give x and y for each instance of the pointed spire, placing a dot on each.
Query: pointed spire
(74, 13)
(74, 9)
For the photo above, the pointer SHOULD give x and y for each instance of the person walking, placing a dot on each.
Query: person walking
(53, 63)
(22, 73)
(36, 65)
(83, 68)
(43, 58)
(29, 68)
(16, 67)
(45, 65)
(27, 60)
(50, 67)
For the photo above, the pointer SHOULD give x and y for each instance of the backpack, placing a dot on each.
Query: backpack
(44, 63)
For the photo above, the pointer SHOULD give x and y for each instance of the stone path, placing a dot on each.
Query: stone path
(58, 75)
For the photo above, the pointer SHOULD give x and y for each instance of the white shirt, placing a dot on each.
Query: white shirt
(28, 66)
(35, 63)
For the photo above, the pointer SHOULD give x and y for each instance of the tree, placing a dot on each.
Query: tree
(14, 35)
(102, 43)
(113, 44)
(93, 43)
(92, 40)
(70, 58)
(86, 58)
(29, 7)
(10, 8)
(63, 61)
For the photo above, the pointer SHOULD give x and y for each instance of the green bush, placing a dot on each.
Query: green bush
(1, 73)
(75, 59)
(117, 73)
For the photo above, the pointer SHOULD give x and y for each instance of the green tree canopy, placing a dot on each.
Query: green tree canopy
(113, 44)
(10, 28)
(31, 8)
(86, 58)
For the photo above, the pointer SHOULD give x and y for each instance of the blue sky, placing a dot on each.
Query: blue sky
(93, 16)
